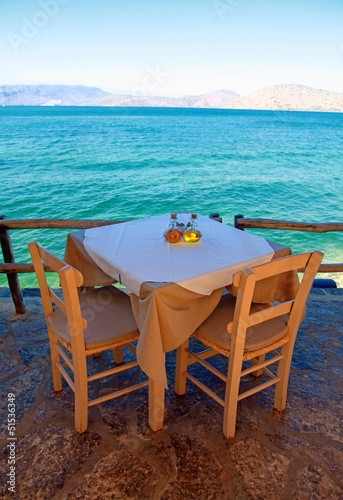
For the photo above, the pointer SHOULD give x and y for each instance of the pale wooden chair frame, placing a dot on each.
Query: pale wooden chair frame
(71, 283)
(245, 280)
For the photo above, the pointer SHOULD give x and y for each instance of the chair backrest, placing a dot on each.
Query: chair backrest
(70, 280)
(245, 280)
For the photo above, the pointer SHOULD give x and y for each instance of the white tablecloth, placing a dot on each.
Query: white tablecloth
(136, 252)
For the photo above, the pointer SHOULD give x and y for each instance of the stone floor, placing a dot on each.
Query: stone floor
(294, 455)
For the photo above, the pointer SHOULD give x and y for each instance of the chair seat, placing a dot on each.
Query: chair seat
(214, 329)
(109, 318)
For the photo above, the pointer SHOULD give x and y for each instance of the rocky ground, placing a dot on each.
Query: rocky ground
(294, 455)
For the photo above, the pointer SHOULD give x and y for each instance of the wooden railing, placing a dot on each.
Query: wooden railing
(12, 268)
(241, 223)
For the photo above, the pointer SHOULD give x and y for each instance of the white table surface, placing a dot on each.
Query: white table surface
(136, 252)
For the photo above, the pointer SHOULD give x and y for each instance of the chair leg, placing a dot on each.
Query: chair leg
(55, 360)
(81, 395)
(118, 355)
(254, 361)
(181, 368)
(283, 373)
(231, 397)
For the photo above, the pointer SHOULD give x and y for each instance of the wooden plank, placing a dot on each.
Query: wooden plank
(19, 267)
(242, 223)
(55, 223)
(22, 267)
(64, 223)
(331, 268)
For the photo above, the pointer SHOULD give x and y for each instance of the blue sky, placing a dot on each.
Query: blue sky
(172, 47)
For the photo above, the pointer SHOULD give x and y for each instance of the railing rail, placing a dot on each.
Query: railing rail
(241, 223)
(12, 268)
(55, 223)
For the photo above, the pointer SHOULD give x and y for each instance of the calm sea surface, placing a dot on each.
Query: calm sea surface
(119, 163)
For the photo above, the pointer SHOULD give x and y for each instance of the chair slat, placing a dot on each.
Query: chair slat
(130, 347)
(117, 369)
(208, 353)
(259, 388)
(59, 303)
(63, 355)
(258, 366)
(51, 260)
(117, 394)
(66, 377)
(270, 313)
(205, 389)
(57, 264)
(282, 265)
(206, 365)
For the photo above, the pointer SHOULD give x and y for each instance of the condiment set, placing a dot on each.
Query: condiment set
(175, 231)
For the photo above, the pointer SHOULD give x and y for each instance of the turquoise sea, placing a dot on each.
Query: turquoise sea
(121, 163)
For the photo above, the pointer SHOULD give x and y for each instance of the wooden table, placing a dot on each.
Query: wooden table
(167, 313)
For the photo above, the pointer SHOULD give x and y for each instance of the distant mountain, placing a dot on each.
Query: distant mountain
(214, 99)
(291, 98)
(279, 97)
(48, 95)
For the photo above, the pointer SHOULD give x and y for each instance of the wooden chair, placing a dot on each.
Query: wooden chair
(84, 324)
(243, 331)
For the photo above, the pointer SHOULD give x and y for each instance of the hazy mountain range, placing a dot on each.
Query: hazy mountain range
(290, 98)
(278, 97)
(215, 99)
(48, 95)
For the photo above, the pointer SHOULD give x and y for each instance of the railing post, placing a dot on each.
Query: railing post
(236, 217)
(13, 280)
(216, 216)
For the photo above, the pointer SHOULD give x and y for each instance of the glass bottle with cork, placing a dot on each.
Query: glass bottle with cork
(172, 234)
(192, 234)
